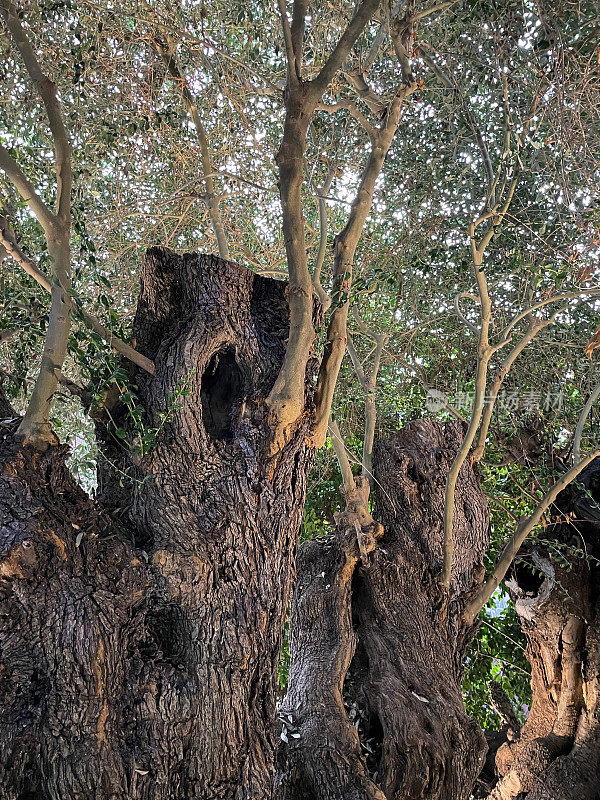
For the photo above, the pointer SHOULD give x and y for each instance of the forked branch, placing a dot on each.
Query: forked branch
(491, 221)
(286, 399)
(345, 249)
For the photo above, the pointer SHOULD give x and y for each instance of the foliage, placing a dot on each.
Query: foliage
(497, 653)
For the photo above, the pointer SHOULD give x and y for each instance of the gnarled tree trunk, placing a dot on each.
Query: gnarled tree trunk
(140, 635)
(556, 755)
(374, 707)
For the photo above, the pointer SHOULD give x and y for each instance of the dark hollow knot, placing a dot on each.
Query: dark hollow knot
(221, 392)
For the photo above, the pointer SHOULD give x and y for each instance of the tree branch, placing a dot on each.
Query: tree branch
(490, 403)
(484, 353)
(342, 456)
(287, 37)
(286, 399)
(168, 56)
(363, 14)
(324, 298)
(13, 250)
(35, 427)
(353, 110)
(459, 313)
(27, 191)
(297, 32)
(524, 528)
(47, 91)
(371, 409)
(427, 12)
(371, 99)
(585, 412)
(345, 248)
(556, 298)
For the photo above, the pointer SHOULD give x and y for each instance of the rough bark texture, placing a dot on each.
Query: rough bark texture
(374, 707)
(140, 635)
(556, 756)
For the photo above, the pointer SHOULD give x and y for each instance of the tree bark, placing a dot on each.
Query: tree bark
(556, 756)
(374, 706)
(141, 632)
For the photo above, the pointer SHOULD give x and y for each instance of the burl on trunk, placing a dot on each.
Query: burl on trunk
(141, 632)
(374, 708)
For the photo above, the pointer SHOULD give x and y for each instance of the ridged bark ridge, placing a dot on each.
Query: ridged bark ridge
(141, 633)
(389, 721)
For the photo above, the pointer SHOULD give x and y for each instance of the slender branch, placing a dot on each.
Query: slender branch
(168, 55)
(345, 248)
(377, 44)
(91, 321)
(524, 528)
(555, 298)
(368, 383)
(342, 456)
(353, 110)
(585, 412)
(357, 366)
(372, 100)
(14, 251)
(427, 12)
(490, 403)
(363, 14)
(484, 353)
(27, 191)
(47, 91)
(287, 37)
(364, 328)
(371, 408)
(35, 426)
(459, 313)
(286, 399)
(400, 35)
(324, 298)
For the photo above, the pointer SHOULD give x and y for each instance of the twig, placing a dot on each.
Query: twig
(585, 411)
